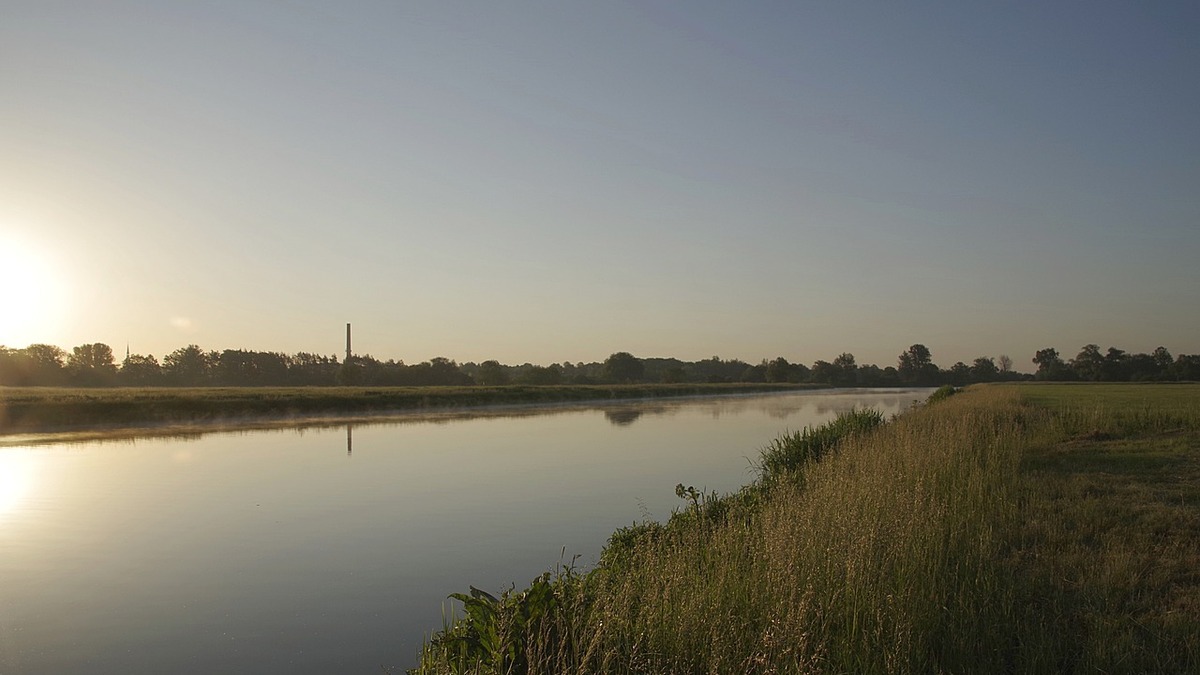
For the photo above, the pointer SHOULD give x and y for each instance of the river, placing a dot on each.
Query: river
(332, 549)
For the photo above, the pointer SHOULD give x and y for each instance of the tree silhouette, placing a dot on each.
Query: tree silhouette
(778, 370)
(847, 369)
(189, 366)
(37, 364)
(140, 370)
(984, 370)
(92, 364)
(824, 372)
(623, 367)
(491, 373)
(1088, 362)
(551, 374)
(1050, 364)
(916, 365)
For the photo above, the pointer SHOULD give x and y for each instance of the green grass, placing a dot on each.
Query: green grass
(49, 409)
(1111, 497)
(791, 452)
(1039, 529)
(1118, 408)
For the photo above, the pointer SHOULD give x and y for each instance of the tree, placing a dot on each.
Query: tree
(138, 370)
(10, 366)
(673, 375)
(96, 356)
(716, 369)
(1005, 362)
(656, 369)
(364, 369)
(491, 373)
(1087, 363)
(960, 374)
(189, 366)
(891, 376)
(445, 372)
(36, 364)
(1050, 364)
(1162, 359)
(1186, 367)
(778, 370)
(754, 373)
(623, 367)
(237, 367)
(824, 372)
(984, 369)
(871, 375)
(551, 374)
(1142, 368)
(43, 364)
(312, 369)
(847, 369)
(1115, 367)
(916, 366)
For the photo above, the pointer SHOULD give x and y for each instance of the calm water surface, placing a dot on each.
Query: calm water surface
(333, 549)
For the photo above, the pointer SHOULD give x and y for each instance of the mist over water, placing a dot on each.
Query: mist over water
(333, 549)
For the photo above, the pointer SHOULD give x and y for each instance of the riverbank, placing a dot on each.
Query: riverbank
(27, 410)
(1035, 528)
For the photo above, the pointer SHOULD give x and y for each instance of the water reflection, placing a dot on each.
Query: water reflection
(620, 413)
(16, 479)
(622, 417)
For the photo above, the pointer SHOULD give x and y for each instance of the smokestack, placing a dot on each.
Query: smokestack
(347, 343)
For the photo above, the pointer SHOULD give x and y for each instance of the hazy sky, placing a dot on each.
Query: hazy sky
(550, 181)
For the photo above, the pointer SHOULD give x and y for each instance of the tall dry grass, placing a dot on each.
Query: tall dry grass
(929, 545)
(882, 559)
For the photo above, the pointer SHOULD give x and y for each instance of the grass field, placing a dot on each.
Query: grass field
(49, 409)
(1110, 534)
(1029, 528)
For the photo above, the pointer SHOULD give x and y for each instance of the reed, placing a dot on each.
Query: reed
(991, 531)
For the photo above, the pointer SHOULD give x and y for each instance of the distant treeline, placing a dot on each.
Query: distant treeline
(94, 365)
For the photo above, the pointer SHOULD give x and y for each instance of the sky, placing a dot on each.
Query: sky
(557, 181)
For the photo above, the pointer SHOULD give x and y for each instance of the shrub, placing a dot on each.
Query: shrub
(790, 452)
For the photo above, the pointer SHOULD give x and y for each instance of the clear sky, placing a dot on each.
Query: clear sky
(551, 181)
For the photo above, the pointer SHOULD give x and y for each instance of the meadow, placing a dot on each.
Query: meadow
(61, 409)
(1006, 528)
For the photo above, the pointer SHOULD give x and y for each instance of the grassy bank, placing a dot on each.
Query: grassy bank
(46, 409)
(1004, 529)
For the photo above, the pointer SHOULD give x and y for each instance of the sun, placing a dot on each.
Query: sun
(31, 293)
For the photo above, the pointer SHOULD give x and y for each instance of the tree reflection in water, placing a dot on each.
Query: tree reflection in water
(622, 417)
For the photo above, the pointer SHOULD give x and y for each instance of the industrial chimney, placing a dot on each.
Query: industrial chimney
(347, 343)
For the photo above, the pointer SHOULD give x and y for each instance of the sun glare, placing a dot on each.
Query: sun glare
(16, 478)
(31, 294)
